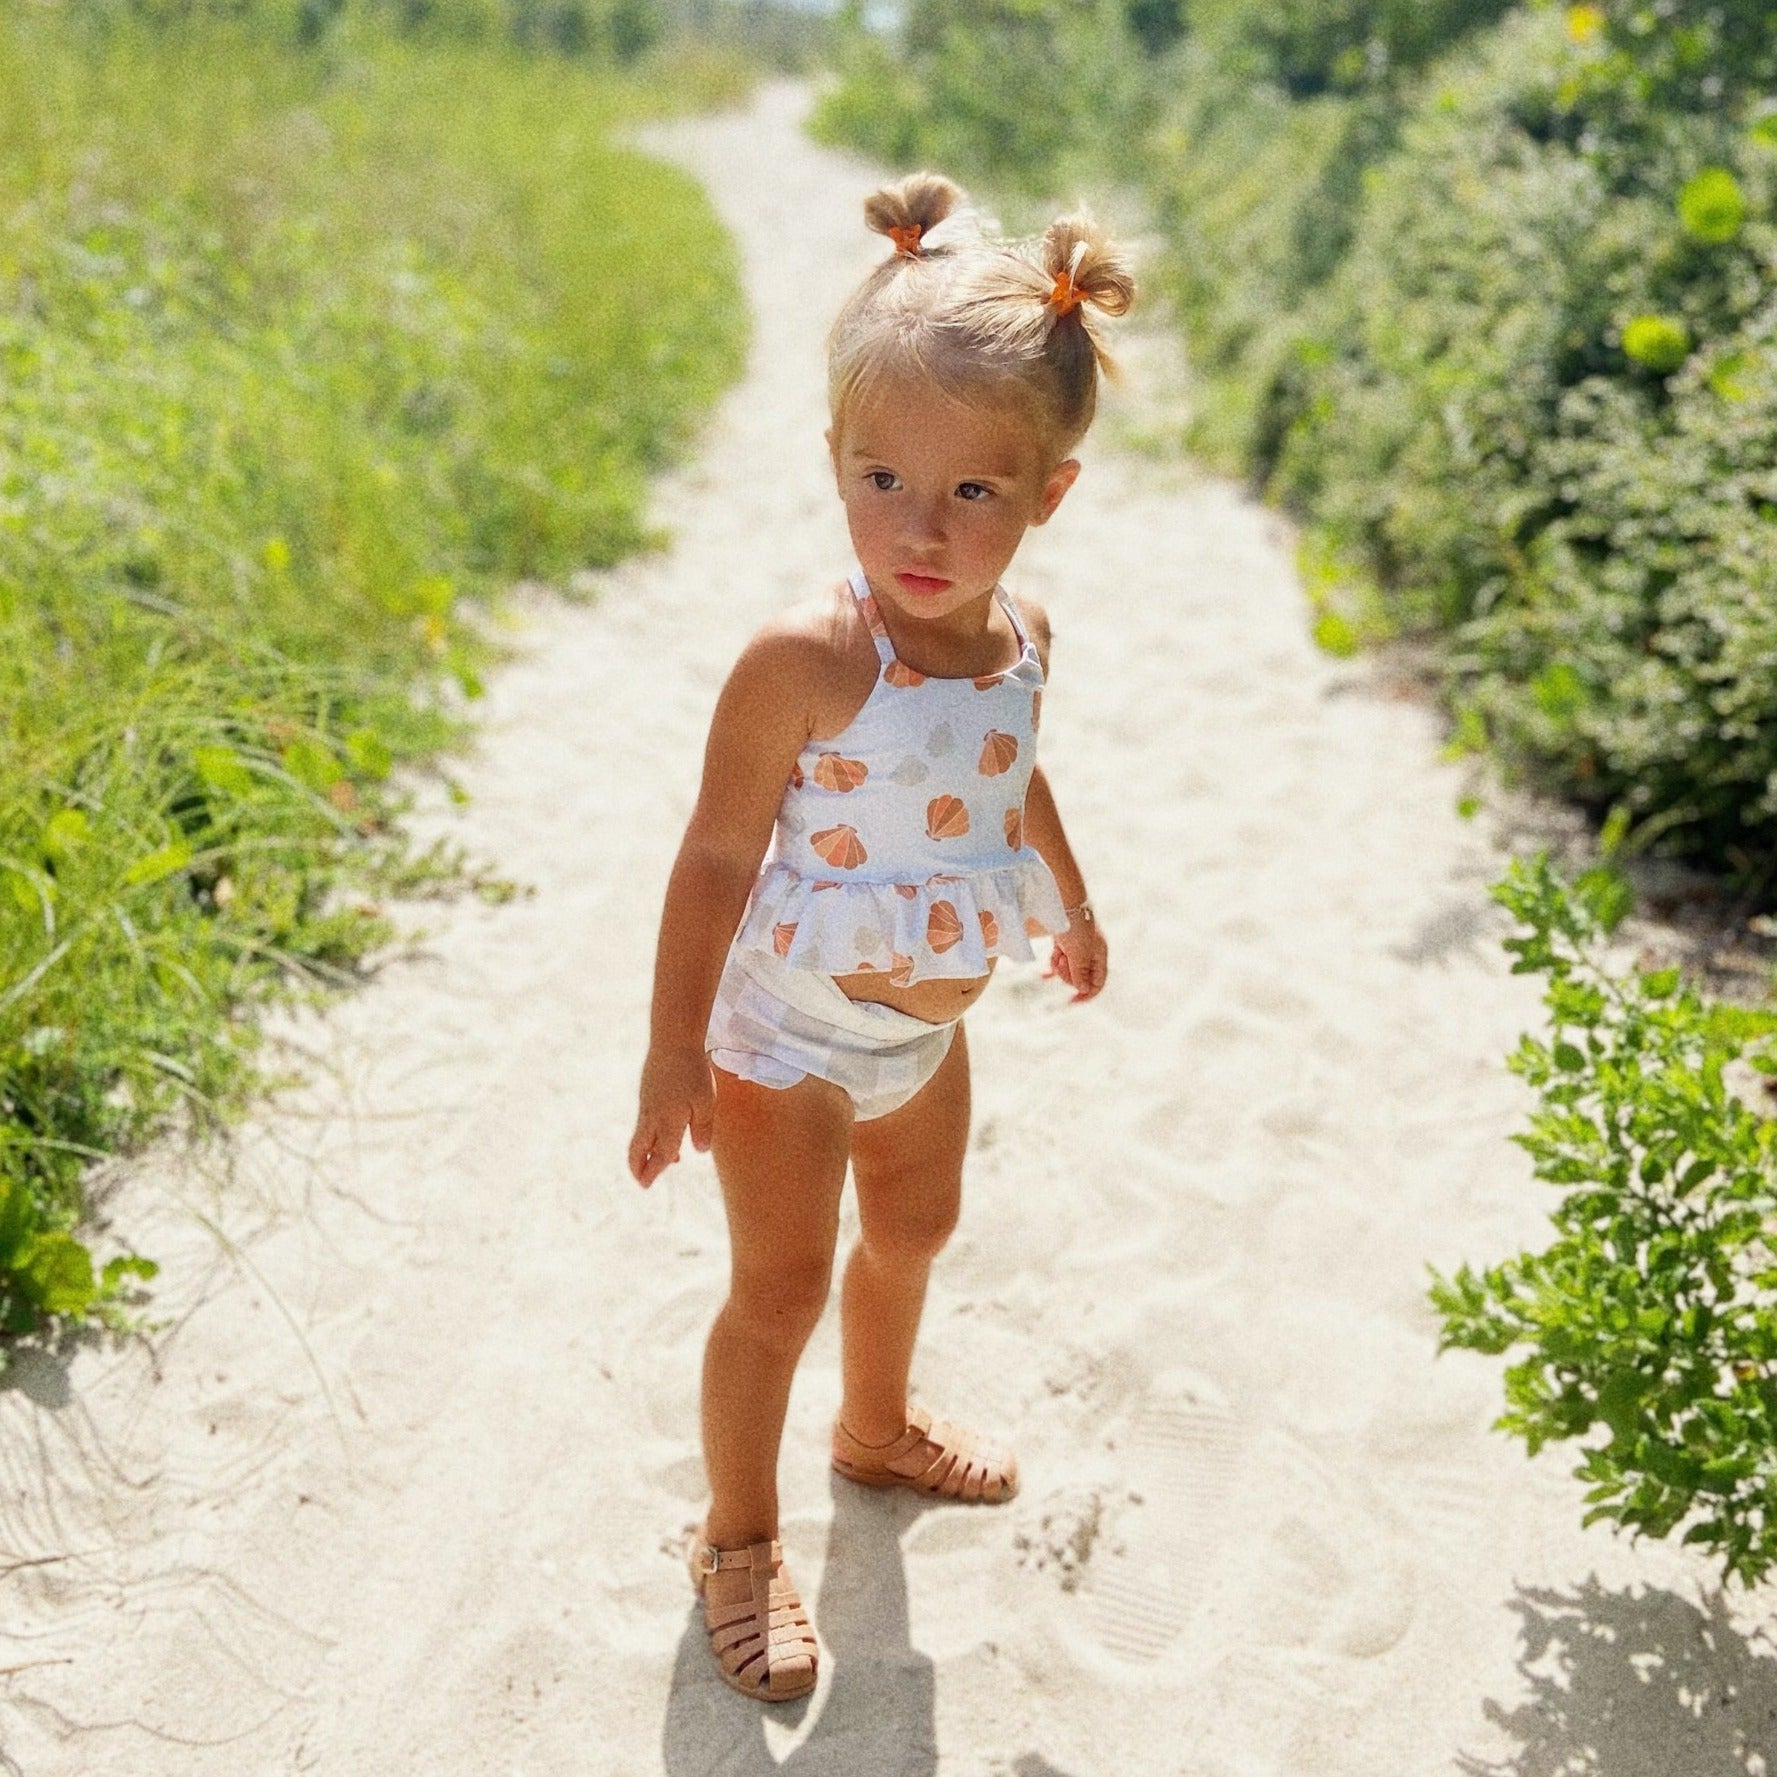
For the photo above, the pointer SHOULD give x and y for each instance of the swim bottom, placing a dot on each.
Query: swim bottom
(775, 1025)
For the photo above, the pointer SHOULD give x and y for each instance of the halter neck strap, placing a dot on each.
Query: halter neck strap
(885, 649)
(1011, 610)
(860, 590)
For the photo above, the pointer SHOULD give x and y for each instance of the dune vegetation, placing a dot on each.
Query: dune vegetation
(313, 338)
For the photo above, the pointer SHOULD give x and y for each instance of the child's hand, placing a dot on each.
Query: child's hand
(1081, 957)
(677, 1093)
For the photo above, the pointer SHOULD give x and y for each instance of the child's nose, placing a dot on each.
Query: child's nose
(929, 521)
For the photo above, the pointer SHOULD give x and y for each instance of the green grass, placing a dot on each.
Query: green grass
(302, 357)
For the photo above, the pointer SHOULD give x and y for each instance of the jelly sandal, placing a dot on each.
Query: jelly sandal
(967, 1467)
(764, 1644)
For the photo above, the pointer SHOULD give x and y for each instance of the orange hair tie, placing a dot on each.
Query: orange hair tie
(1065, 297)
(907, 240)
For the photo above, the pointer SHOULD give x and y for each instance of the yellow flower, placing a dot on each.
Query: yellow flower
(1584, 22)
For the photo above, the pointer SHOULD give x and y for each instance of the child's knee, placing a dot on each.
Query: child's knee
(913, 1232)
(780, 1305)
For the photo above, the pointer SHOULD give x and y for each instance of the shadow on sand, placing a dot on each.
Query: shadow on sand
(878, 1707)
(1635, 1684)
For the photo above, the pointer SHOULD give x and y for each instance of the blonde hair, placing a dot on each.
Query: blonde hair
(984, 321)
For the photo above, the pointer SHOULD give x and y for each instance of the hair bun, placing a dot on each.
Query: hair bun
(912, 207)
(1076, 247)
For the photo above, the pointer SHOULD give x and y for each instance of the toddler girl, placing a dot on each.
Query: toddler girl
(882, 739)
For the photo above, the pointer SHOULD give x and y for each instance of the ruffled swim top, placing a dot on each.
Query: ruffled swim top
(899, 844)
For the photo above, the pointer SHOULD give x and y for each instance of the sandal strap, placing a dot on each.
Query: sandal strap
(763, 1642)
(964, 1465)
(917, 1429)
(710, 1559)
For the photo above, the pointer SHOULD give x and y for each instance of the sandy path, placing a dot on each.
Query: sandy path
(400, 1497)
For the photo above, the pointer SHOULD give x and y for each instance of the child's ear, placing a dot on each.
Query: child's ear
(1061, 478)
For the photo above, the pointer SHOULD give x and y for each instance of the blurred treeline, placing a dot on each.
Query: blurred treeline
(1486, 293)
(308, 346)
(624, 33)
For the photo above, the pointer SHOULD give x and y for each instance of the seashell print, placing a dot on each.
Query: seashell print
(840, 846)
(1036, 708)
(944, 930)
(942, 876)
(902, 676)
(868, 940)
(1015, 828)
(873, 616)
(990, 929)
(864, 968)
(782, 937)
(1034, 928)
(940, 740)
(833, 771)
(826, 882)
(911, 771)
(946, 818)
(999, 752)
(907, 891)
(796, 778)
(987, 681)
(900, 968)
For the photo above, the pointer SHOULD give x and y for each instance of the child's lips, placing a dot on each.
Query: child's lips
(927, 583)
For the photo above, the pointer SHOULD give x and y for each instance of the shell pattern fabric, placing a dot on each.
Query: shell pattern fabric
(900, 843)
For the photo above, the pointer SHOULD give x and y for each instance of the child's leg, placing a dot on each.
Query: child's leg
(908, 1167)
(781, 1158)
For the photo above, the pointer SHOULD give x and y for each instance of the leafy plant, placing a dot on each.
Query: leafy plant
(302, 356)
(1657, 341)
(1652, 1315)
(1712, 206)
(1024, 94)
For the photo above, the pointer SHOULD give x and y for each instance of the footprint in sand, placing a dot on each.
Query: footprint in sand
(683, 1478)
(1183, 1459)
(1445, 1509)
(662, 1359)
(1292, 1122)
(1139, 1607)
(1268, 998)
(1325, 1568)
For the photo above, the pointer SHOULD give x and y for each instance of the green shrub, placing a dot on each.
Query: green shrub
(1310, 47)
(1256, 197)
(1483, 292)
(1538, 400)
(1652, 1315)
(1022, 94)
(301, 357)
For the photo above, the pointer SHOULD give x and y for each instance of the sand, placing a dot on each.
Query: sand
(399, 1486)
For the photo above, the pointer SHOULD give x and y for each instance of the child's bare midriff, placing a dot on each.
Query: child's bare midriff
(937, 1002)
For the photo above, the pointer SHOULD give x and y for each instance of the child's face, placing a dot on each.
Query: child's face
(939, 495)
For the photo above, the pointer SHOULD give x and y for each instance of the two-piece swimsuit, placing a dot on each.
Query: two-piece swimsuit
(899, 847)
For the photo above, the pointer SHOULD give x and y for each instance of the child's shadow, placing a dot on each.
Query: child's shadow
(877, 1718)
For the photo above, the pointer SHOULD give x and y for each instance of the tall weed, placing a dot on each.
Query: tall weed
(303, 356)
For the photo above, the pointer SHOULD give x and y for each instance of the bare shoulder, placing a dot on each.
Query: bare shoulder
(818, 652)
(1036, 620)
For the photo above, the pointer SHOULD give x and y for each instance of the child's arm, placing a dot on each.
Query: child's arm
(760, 725)
(1081, 957)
